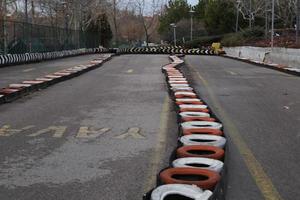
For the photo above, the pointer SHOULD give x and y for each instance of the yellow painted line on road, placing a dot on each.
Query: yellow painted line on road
(257, 172)
(29, 70)
(156, 157)
(129, 71)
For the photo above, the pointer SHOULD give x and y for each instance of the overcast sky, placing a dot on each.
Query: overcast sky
(193, 2)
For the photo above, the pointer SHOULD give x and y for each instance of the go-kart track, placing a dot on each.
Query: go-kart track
(107, 133)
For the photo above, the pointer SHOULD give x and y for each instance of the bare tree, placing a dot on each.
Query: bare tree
(148, 13)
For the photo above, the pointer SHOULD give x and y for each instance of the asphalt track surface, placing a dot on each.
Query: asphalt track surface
(260, 109)
(101, 135)
(19, 73)
(106, 133)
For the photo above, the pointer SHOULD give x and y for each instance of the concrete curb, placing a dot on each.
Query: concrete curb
(15, 91)
(281, 68)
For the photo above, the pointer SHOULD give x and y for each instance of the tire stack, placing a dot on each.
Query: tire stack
(197, 165)
(18, 90)
(13, 59)
(165, 50)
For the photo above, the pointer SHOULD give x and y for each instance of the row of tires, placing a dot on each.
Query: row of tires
(198, 162)
(15, 91)
(165, 50)
(13, 59)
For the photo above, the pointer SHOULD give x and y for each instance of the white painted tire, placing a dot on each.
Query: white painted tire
(211, 164)
(190, 191)
(185, 93)
(179, 85)
(192, 106)
(182, 89)
(205, 139)
(201, 124)
(188, 100)
(194, 114)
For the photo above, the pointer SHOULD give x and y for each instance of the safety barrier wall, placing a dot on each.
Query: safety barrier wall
(165, 50)
(18, 90)
(197, 167)
(14, 59)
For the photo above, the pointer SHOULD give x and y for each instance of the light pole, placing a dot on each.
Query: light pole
(191, 12)
(237, 15)
(5, 27)
(174, 32)
(297, 21)
(273, 16)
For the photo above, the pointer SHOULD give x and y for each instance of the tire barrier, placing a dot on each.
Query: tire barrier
(195, 116)
(14, 59)
(203, 178)
(18, 90)
(200, 125)
(201, 151)
(274, 66)
(180, 190)
(166, 50)
(197, 165)
(193, 108)
(202, 163)
(203, 139)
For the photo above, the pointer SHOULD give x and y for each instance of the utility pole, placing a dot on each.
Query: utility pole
(273, 16)
(298, 21)
(237, 15)
(5, 26)
(192, 12)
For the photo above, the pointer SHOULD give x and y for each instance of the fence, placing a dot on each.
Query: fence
(24, 37)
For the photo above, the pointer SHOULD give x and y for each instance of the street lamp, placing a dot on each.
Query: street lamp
(237, 15)
(174, 31)
(273, 16)
(191, 12)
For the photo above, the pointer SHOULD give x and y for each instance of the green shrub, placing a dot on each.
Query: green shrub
(233, 39)
(203, 41)
(255, 32)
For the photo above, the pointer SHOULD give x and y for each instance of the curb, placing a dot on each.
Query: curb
(15, 91)
(213, 188)
(274, 66)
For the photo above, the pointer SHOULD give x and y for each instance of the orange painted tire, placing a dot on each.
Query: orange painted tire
(188, 119)
(206, 179)
(209, 131)
(202, 151)
(191, 103)
(186, 95)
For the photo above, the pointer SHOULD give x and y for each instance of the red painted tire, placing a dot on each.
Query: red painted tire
(210, 131)
(191, 103)
(185, 95)
(206, 179)
(188, 119)
(200, 151)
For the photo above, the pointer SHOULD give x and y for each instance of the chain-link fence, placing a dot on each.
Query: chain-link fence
(20, 37)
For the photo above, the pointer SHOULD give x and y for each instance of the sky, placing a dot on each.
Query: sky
(193, 2)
